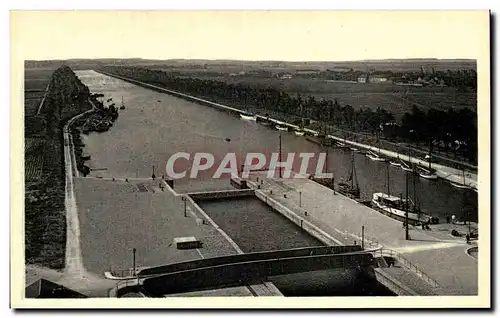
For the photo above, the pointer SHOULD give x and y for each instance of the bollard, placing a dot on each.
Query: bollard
(126, 179)
(284, 195)
(305, 213)
(270, 191)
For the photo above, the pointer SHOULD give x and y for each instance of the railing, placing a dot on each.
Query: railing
(409, 265)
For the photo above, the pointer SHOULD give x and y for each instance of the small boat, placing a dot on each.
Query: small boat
(462, 185)
(248, 117)
(405, 166)
(341, 145)
(350, 186)
(282, 128)
(395, 163)
(426, 173)
(375, 157)
(299, 133)
(459, 185)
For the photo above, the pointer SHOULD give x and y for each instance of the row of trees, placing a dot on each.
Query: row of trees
(435, 125)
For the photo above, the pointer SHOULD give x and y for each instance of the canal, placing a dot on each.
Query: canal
(253, 226)
(154, 126)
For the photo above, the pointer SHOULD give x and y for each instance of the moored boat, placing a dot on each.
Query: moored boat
(248, 117)
(395, 163)
(299, 132)
(395, 208)
(405, 166)
(375, 157)
(350, 186)
(426, 173)
(281, 128)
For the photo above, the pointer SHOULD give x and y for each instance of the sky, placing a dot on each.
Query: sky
(249, 35)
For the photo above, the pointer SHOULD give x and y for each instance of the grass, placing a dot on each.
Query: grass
(33, 161)
(36, 84)
(31, 106)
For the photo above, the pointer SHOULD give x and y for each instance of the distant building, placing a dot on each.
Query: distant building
(363, 79)
(285, 76)
(378, 79)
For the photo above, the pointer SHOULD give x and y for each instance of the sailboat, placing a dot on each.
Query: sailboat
(300, 131)
(374, 156)
(123, 105)
(427, 173)
(350, 186)
(398, 208)
(396, 163)
(462, 185)
(406, 166)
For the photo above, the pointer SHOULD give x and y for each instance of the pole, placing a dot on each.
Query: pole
(133, 259)
(388, 182)
(407, 235)
(363, 237)
(280, 157)
(300, 198)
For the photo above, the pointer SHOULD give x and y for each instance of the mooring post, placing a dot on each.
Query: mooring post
(184, 200)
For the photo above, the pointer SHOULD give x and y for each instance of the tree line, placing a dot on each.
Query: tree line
(435, 127)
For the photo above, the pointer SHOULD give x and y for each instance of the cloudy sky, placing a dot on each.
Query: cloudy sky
(278, 35)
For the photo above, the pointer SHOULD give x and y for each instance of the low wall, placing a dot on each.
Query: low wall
(215, 195)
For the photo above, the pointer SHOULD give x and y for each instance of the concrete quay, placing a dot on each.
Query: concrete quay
(116, 216)
(439, 264)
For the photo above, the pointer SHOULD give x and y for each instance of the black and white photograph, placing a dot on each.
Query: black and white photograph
(341, 157)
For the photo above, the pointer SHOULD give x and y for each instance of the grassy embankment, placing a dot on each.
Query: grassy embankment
(45, 218)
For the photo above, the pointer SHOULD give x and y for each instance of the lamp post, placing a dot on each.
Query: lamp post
(184, 200)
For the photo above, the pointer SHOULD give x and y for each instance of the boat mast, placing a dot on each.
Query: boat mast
(415, 197)
(280, 155)
(407, 236)
(388, 183)
(430, 151)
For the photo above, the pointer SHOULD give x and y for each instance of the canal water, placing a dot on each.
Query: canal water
(253, 226)
(154, 126)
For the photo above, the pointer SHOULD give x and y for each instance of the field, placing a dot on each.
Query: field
(394, 98)
(33, 161)
(35, 83)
